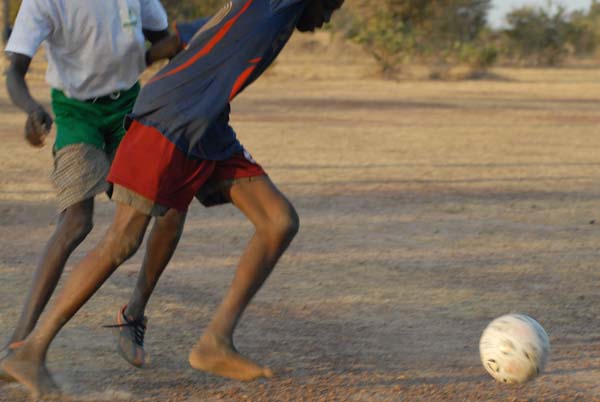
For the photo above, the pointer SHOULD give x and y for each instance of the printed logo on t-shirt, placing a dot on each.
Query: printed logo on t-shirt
(132, 20)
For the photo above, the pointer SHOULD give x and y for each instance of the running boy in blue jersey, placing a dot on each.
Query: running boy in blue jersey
(179, 145)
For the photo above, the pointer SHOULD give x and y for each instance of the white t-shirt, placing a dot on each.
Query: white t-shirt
(94, 47)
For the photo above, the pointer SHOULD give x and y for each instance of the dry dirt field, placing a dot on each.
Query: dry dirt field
(427, 209)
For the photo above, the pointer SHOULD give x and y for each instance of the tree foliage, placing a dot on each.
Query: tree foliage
(548, 35)
(537, 35)
(190, 9)
(583, 33)
(444, 32)
(435, 31)
(449, 32)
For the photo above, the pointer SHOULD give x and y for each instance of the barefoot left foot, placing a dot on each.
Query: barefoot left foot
(33, 374)
(3, 375)
(215, 355)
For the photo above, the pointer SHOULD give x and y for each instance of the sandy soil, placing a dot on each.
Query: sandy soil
(427, 209)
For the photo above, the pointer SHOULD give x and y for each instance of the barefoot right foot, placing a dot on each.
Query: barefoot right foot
(215, 355)
(32, 374)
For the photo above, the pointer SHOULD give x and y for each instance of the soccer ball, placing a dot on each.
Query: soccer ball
(514, 348)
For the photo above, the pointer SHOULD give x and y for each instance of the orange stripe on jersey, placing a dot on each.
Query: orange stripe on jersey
(241, 80)
(208, 47)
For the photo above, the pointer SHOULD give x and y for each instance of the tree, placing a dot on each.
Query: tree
(436, 31)
(584, 31)
(5, 19)
(191, 9)
(538, 35)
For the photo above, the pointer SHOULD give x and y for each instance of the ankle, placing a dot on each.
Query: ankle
(28, 351)
(134, 312)
(212, 338)
(18, 335)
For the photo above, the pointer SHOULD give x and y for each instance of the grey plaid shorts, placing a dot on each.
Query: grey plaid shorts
(80, 172)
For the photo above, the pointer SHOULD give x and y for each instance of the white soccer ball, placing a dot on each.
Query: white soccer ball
(514, 348)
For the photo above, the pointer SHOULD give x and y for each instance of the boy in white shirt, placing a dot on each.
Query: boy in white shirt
(96, 51)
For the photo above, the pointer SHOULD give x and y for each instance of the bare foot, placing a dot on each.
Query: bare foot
(217, 356)
(3, 375)
(31, 373)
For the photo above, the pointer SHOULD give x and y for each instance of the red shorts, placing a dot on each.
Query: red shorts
(148, 164)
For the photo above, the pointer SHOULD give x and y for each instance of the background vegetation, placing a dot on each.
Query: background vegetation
(188, 9)
(453, 32)
(446, 33)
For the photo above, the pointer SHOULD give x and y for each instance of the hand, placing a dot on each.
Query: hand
(38, 126)
(316, 13)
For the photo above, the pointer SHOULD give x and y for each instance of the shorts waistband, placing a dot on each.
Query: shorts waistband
(110, 98)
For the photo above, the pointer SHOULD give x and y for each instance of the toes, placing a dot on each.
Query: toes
(4, 376)
(268, 373)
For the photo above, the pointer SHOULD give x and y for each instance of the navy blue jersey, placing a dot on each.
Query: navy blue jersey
(188, 100)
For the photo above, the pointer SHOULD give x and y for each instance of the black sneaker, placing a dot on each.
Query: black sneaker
(130, 338)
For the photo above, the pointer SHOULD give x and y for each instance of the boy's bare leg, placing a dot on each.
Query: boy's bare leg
(73, 226)
(276, 224)
(131, 322)
(27, 363)
(161, 245)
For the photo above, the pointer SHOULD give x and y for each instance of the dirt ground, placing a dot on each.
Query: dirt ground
(427, 209)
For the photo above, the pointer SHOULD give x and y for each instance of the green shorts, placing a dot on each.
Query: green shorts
(98, 123)
(87, 136)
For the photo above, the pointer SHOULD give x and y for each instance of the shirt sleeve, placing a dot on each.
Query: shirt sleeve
(154, 16)
(32, 26)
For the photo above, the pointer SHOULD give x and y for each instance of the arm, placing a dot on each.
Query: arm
(39, 121)
(155, 29)
(167, 48)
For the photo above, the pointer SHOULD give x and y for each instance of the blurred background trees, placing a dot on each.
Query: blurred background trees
(189, 9)
(398, 32)
(450, 32)
(548, 35)
(444, 33)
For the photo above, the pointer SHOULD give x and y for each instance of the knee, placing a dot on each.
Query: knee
(120, 246)
(292, 224)
(75, 227)
(170, 227)
(284, 225)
